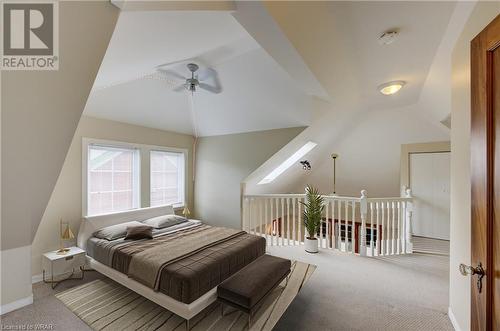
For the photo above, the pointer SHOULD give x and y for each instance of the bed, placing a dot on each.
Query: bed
(179, 268)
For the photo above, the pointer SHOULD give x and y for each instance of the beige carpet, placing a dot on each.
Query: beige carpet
(345, 292)
(349, 292)
(107, 305)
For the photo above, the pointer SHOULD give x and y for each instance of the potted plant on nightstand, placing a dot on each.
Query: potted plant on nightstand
(313, 209)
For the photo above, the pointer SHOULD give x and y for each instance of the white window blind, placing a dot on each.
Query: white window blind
(112, 179)
(167, 178)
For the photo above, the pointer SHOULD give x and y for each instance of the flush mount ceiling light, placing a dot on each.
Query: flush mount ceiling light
(288, 163)
(391, 87)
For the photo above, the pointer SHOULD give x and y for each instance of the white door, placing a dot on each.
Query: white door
(430, 185)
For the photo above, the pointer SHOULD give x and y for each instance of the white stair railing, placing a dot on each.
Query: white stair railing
(365, 226)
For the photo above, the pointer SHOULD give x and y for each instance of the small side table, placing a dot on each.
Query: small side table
(63, 264)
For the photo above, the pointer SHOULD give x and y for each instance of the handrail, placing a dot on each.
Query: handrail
(390, 199)
(368, 226)
(337, 197)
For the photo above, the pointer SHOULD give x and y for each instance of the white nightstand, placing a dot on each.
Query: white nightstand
(55, 265)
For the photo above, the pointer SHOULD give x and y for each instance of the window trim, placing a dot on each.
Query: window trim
(144, 154)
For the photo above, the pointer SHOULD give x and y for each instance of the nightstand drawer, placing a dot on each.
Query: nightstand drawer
(66, 264)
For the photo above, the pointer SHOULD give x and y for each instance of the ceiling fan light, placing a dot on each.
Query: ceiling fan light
(391, 87)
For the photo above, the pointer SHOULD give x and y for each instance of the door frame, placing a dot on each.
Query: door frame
(482, 171)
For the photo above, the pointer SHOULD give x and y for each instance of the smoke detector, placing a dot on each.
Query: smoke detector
(388, 37)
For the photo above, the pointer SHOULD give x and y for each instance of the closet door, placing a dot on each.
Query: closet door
(430, 184)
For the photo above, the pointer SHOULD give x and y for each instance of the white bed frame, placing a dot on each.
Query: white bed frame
(91, 224)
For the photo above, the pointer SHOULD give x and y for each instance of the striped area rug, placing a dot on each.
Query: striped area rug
(107, 305)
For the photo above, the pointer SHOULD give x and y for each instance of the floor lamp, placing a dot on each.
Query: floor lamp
(334, 157)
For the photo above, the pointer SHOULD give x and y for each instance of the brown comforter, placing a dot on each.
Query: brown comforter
(188, 263)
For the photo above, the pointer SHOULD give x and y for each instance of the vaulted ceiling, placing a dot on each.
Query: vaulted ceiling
(257, 93)
(272, 57)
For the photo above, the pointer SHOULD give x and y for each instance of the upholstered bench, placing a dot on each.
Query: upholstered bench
(247, 289)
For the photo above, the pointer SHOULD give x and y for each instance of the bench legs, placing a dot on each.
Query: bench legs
(187, 324)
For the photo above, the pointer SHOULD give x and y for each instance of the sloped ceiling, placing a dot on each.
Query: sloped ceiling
(257, 93)
(277, 62)
(338, 41)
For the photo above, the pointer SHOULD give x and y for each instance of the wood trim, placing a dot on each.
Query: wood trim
(482, 172)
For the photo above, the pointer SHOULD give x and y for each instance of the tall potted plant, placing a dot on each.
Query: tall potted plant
(313, 209)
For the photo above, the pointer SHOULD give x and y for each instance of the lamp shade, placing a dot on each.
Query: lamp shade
(186, 211)
(67, 234)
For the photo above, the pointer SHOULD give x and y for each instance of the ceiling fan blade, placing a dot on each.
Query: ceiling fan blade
(210, 88)
(171, 74)
(206, 73)
(179, 88)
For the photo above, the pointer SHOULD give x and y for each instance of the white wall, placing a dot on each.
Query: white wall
(223, 162)
(369, 148)
(460, 222)
(369, 153)
(66, 199)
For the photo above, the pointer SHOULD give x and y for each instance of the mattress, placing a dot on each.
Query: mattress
(194, 274)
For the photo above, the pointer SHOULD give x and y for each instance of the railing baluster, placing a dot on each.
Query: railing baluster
(383, 234)
(321, 231)
(398, 244)
(341, 209)
(379, 233)
(393, 229)
(327, 224)
(293, 222)
(389, 228)
(271, 209)
(353, 227)
(301, 239)
(346, 211)
(371, 230)
(278, 222)
(403, 224)
(287, 221)
(333, 237)
(282, 222)
(266, 221)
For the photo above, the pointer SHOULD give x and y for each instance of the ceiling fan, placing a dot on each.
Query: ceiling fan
(198, 79)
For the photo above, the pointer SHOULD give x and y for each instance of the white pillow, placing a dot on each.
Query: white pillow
(165, 221)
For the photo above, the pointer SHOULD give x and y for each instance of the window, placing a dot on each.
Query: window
(112, 179)
(167, 178)
(288, 163)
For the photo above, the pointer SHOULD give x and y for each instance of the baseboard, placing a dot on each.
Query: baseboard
(453, 320)
(4, 309)
(36, 279)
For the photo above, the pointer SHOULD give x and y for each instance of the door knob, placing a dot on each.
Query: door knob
(470, 270)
